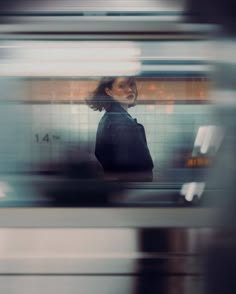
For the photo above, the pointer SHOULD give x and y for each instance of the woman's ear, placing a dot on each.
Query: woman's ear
(108, 91)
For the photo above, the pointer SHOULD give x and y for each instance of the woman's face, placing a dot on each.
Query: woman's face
(124, 91)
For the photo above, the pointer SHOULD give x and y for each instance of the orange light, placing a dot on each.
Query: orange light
(151, 87)
(197, 162)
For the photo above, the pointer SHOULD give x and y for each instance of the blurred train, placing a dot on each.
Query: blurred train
(119, 237)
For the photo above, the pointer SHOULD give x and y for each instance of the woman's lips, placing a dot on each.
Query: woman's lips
(131, 96)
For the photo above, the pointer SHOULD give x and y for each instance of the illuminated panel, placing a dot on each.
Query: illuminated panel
(173, 89)
(61, 90)
(158, 90)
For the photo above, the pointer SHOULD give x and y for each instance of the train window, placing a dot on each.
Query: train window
(49, 132)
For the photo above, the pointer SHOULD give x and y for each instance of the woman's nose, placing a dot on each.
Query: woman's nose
(130, 88)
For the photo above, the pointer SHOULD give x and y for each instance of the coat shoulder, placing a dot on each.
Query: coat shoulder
(117, 119)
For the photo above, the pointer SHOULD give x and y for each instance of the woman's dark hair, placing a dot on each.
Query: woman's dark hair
(99, 99)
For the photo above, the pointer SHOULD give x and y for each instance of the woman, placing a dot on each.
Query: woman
(121, 145)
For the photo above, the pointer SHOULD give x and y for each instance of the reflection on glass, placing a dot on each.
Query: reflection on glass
(49, 133)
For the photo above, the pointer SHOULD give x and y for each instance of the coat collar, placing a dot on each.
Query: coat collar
(116, 107)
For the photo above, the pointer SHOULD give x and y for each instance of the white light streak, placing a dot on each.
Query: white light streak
(71, 69)
(189, 190)
(207, 137)
(71, 59)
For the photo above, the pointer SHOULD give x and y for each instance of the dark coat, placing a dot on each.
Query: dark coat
(121, 145)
